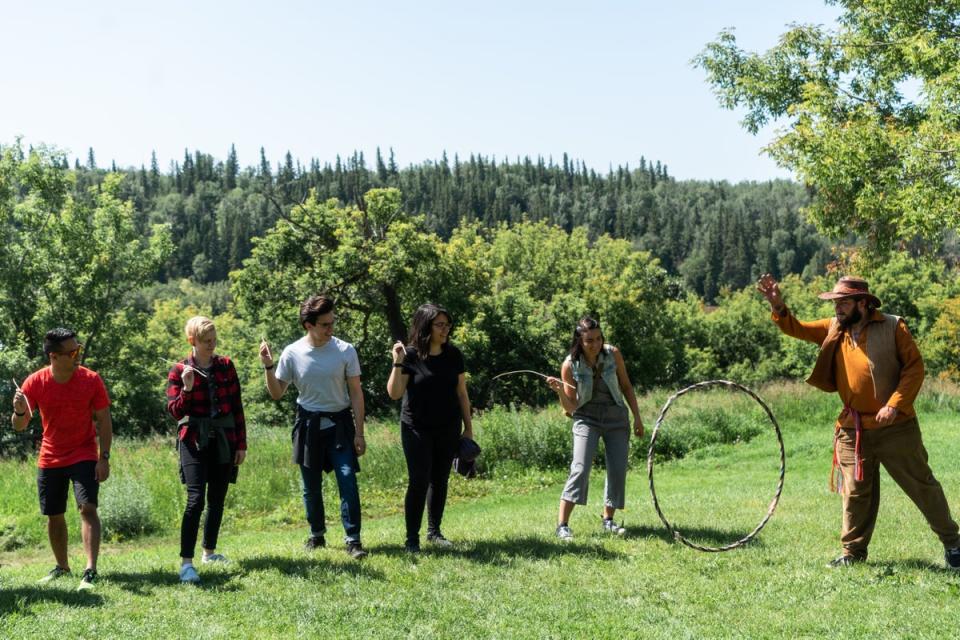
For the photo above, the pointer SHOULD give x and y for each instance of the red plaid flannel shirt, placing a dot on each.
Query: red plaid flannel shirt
(196, 402)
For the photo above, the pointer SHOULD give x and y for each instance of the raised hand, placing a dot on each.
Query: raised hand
(188, 376)
(770, 288)
(399, 352)
(266, 356)
(20, 402)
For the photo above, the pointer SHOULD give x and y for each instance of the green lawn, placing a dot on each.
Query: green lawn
(508, 577)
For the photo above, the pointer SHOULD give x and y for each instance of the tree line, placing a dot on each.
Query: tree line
(711, 234)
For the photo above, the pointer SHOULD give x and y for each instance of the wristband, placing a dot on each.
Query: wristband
(18, 414)
(397, 365)
(266, 368)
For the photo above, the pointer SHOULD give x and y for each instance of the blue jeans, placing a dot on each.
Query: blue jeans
(312, 483)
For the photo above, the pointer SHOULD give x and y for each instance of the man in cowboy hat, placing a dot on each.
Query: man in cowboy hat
(870, 359)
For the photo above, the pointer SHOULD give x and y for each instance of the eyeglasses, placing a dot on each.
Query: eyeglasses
(442, 325)
(73, 353)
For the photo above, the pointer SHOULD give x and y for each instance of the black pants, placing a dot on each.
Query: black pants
(200, 473)
(429, 457)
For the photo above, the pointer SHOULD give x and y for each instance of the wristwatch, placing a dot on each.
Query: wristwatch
(105, 455)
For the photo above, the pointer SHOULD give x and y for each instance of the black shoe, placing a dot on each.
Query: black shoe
(86, 582)
(314, 542)
(412, 546)
(952, 557)
(355, 549)
(56, 572)
(845, 561)
(436, 539)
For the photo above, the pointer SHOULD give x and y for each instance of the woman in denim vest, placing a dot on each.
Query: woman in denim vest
(595, 389)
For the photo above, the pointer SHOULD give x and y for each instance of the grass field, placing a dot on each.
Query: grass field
(508, 577)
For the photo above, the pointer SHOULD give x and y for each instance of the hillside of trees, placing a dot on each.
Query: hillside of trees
(712, 234)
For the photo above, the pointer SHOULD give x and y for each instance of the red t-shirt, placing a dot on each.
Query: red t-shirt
(66, 412)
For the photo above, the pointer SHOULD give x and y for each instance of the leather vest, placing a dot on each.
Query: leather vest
(881, 351)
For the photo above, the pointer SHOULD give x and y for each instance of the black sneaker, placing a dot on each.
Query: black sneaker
(86, 582)
(315, 542)
(412, 546)
(952, 557)
(355, 549)
(56, 572)
(845, 561)
(436, 539)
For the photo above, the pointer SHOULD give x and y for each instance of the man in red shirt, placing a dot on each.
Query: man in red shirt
(70, 399)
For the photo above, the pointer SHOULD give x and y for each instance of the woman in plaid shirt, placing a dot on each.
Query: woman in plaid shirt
(203, 395)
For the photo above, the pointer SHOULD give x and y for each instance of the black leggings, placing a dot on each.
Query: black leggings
(197, 472)
(429, 457)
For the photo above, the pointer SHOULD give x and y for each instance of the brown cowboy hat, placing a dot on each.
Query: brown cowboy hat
(848, 287)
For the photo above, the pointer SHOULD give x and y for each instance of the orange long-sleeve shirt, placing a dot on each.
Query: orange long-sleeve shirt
(854, 382)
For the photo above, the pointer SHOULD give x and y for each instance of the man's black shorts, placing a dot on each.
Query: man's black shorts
(52, 486)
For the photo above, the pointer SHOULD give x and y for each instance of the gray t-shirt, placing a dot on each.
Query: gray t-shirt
(319, 373)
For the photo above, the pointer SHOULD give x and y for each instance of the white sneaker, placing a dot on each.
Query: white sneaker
(188, 574)
(215, 557)
(610, 526)
(564, 532)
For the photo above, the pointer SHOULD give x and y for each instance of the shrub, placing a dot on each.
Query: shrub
(126, 508)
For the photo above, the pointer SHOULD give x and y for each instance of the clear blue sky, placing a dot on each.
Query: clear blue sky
(604, 81)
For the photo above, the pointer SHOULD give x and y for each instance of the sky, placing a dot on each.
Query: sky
(606, 82)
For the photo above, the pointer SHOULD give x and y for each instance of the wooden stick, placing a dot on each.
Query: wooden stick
(173, 362)
(537, 373)
(25, 398)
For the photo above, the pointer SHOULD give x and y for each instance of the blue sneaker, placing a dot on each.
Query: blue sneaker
(188, 575)
(215, 557)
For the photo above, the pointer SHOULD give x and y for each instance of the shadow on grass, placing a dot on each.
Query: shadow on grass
(22, 599)
(312, 568)
(505, 551)
(146, 582)
(888, 569)
(704, 536)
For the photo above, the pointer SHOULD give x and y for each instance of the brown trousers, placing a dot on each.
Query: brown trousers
(899, 448)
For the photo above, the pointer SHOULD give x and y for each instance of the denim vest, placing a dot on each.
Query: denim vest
(583, 376)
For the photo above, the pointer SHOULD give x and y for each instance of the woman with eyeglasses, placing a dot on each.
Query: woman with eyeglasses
(595, 390)
(203, 396)
(428, 373)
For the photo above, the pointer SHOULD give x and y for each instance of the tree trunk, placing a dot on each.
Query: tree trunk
(398, 328)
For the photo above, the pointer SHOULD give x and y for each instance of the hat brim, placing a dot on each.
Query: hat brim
(831, 295)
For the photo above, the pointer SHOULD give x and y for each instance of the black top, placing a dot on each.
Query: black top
(430, 401)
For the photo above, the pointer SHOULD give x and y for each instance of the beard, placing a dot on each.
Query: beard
(851, 319)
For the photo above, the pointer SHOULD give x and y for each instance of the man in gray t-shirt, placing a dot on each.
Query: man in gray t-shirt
(328, 431)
